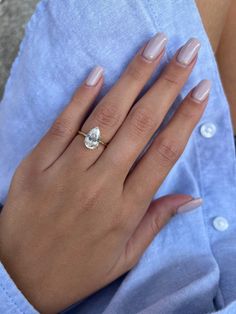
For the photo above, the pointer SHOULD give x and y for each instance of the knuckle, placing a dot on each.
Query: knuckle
(136, 70)
(90, 202)
(90, 198)
(190, 110)
(168, 150)
(118, 221)
(171, 78)
(26, 175)
(108, 114)
(174, 75)
(91, 192)
(155, 226)
(141, 120)
(131, 256)
(61, 128)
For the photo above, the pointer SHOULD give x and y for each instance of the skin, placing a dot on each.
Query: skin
(66, 232)
(219, 19)
(213, 14)
(104, 225)
(226, 59)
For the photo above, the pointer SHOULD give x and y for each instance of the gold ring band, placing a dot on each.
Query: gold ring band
(84, 134)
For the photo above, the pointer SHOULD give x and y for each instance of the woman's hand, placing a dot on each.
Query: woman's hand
(76, 219)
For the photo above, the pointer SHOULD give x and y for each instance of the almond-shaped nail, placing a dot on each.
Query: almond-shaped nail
(155, 46)
(202, 90)
(190, 205)
(94, 76)
(189, 51)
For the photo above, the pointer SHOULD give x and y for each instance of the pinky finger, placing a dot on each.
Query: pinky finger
(168, 146)
(66, 126)
(157, 216)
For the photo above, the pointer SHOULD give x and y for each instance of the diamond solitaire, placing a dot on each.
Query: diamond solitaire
(92, 138)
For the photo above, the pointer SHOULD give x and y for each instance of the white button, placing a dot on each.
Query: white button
(208, 130)
(220, 223)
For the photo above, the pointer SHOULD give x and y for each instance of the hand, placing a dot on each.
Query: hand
(76, 219)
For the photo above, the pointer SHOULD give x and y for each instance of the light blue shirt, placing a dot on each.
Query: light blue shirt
(190, 266)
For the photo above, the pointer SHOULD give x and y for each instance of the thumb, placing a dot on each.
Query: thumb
(158, 214)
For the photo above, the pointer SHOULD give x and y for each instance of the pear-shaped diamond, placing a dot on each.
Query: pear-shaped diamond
(91, 139)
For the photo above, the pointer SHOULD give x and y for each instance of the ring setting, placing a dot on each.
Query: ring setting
(92, 139)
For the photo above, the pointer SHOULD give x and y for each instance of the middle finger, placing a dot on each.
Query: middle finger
(147, 114)
(111, 111)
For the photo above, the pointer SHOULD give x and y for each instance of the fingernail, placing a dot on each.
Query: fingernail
(189, 51)
(190, 205)
(94, 76)
(155, 46)
(202, 90)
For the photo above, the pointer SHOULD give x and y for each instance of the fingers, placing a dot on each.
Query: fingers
(147, 114)
(157, 216)
(64, 129)
(109, 114)
(168, 146)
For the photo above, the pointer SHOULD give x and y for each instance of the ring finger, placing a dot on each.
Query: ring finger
(111, 111)
(147, 114)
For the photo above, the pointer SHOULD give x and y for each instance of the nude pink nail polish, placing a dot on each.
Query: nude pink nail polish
(190, 205)
(155, 46)
(189, 51)
(94, 76)
(202, 90)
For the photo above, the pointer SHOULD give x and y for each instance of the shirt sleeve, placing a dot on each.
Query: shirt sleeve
(12, 301)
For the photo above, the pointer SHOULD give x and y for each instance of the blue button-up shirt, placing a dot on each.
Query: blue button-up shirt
(190, 266)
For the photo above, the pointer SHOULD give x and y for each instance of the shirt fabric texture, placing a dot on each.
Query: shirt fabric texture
(13, 16)
(190, 266)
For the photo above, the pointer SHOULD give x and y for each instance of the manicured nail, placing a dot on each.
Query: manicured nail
(202, 90)
(189, 51)
(155, 46)
(94, 76)
(190, 205)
